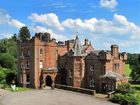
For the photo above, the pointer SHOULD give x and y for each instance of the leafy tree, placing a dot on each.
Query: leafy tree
(3, 49)
(24, 33)
(2, 75)
(7, 61)
(135, 74)
(132, 59)
(14, 37)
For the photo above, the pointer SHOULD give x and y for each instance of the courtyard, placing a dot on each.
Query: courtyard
(51, 97)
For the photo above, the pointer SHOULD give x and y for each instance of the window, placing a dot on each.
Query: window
(70, 73)
(91, 67)
(41, 64)
(41, 52)
(21, 65)
(27, 78)
(92, 82)
(27, 65)
(21, 53)
(116, 67)
(28, 52)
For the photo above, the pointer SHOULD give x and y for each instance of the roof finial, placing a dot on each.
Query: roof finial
(76, 34)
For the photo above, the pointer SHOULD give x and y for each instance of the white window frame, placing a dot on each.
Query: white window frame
(27, 65)
(92, 67)
(92, 82)
(70, 73)
(41, 64)
(41, 52)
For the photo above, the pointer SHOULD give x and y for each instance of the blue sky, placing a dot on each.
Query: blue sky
(103, 22)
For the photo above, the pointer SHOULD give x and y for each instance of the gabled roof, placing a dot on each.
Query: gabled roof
(77, 47)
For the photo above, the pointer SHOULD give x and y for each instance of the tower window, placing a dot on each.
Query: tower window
(21, 65)
(41, 52)
(92, 82)
(70, 73)
(27, 65)
(91, 67)
(27, 78)
(21, 52)
(41, 64)
(116, 67)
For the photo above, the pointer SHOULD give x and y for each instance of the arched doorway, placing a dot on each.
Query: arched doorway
(48, 81)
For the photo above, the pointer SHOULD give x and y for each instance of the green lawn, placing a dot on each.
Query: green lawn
(18, 89)
(127, 70)
(137, 90)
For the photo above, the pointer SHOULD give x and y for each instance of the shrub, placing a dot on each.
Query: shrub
(117, 98)
(124, 89)
(127, 99)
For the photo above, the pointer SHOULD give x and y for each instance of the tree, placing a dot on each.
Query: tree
(7, 61)
(24, 33)
(14, 37)
(135, 74)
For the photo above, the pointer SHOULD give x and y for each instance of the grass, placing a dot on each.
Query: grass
(136, 87)
(127, 70)
(18, 89)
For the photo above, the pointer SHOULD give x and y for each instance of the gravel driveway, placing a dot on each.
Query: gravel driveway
(51, 97)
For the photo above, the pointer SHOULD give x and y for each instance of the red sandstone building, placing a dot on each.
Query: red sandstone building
(44, 62)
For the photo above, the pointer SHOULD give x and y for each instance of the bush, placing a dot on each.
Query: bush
(127, 99)
(117, 98)
(124, 89)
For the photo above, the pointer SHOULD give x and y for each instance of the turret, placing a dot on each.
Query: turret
(86, 42)
(115, 51)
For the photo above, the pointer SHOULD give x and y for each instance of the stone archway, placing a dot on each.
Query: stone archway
(49, 81)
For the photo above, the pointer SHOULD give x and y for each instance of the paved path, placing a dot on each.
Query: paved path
(51, 97)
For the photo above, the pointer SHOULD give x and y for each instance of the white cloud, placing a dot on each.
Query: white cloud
(102, 32)
(5, 18)
(50, 19)
(110, 4)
